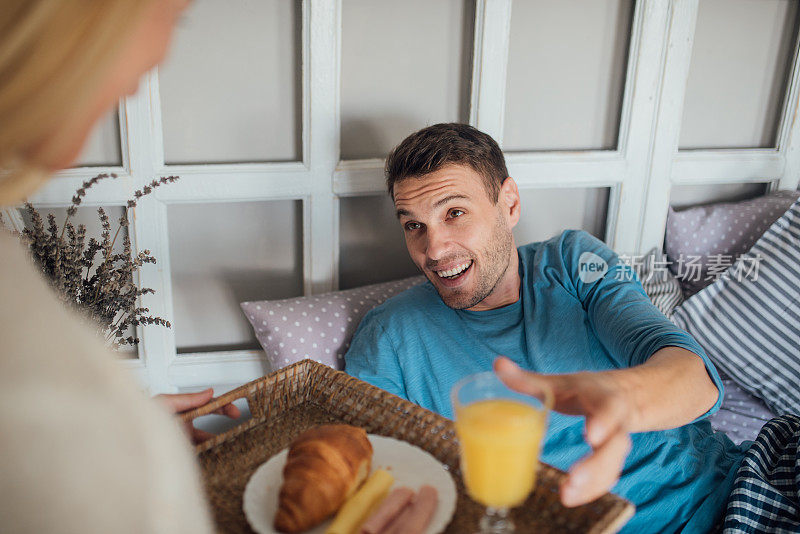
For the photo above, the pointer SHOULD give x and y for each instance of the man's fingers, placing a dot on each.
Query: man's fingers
(508, 371)
(518, 380)
(608, 417)
(596, 474)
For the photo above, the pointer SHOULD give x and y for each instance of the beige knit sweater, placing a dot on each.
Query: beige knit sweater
(81, 449)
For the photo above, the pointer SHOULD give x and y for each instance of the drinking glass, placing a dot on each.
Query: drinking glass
(500, 433)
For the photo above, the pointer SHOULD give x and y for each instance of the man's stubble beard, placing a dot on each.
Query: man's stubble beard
(497, 257)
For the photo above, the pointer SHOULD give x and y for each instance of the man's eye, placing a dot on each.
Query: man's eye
(456, 213)
(412, 226)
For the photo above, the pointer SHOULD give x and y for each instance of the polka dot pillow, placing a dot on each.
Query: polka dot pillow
(741, 415)
(701, 242)
(318, 327)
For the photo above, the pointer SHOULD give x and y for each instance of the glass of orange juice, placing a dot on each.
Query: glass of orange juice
(500, 432)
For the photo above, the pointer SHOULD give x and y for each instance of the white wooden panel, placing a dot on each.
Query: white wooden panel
(559, 169)
(58, 191)
(228, 367)
(372, 245)
(540, 169)
(214, 183)
(157, 346)
(224, 254)
(405, 65)
(12, 220)
(683, 16)
(230, 88)
(566, 69)
(321, 37)
(547, 212)
(637, 124)
(726, 166)
(489, 62)
(358, 177)
(789, 134)
(149, 224)
(102, 149)
(737, 79)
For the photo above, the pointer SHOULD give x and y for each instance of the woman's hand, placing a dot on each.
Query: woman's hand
(182, 402)
(608, 416)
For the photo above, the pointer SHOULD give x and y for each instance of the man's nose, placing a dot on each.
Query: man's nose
(437, 243)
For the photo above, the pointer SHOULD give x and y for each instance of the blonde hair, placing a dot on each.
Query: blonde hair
(53, 55)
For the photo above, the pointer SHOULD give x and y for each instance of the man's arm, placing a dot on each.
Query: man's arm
(672, 388)
(669, 390)
(634, 331)
(664, 379)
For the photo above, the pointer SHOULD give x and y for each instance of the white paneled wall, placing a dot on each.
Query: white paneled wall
(566, 70)
(223, 254)
(103, 149)
(549, 211)
(737, 75)
(405, 65)
(372, 246)
(277, 116)
(230, 88)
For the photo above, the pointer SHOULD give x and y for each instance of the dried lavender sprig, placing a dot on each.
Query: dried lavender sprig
(81, 192)
(108, 294)
(146, 190)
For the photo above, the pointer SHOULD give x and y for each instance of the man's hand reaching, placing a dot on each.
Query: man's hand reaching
(182, 402)
(617, 403)
(609, 416)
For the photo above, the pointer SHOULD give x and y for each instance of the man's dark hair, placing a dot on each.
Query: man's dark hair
(434, 147)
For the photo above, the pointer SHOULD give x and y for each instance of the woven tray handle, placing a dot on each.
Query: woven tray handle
(246, 391)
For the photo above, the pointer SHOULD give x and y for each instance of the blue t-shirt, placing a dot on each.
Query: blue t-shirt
(417, 347)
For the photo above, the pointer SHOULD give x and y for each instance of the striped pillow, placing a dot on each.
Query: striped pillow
(657, 280)
(748, 321)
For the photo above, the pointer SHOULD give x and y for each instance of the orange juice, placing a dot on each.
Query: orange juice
(500, 442)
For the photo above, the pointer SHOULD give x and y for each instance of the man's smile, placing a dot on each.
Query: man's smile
(454, 275)
(454, 271)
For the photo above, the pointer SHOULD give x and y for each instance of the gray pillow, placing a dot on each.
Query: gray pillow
(318, 327)
(658, 282)
(748, 321)
(701, 242)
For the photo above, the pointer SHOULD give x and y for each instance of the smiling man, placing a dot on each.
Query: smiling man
(631, 388)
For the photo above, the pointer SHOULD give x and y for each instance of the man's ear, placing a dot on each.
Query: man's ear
(509, 197)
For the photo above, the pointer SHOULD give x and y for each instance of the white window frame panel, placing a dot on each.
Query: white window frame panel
(779, 167)
(640, 171)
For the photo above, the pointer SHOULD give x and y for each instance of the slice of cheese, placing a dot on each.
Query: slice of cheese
(358, 507)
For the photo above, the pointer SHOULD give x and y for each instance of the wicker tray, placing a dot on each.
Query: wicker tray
(288, 401)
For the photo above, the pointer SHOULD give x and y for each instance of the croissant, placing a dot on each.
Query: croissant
(324, 467)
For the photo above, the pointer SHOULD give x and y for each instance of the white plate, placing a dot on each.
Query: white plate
(410, 466)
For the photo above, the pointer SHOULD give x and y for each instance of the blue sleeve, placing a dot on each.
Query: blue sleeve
(372, 357)
(630, 327)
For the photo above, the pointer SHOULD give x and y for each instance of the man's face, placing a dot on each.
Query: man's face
(458, 237)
